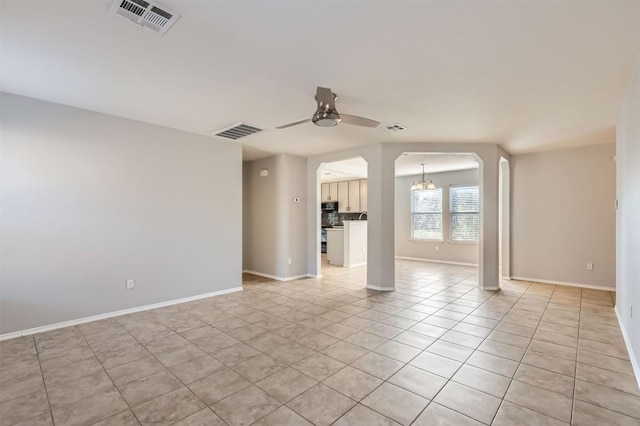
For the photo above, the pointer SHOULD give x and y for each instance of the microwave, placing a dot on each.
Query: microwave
(330, 206)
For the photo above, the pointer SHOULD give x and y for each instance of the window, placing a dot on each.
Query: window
(426, 214)
(465, 213)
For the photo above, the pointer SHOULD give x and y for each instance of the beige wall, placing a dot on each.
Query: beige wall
(91, 200)
(274, 226)
(563, 215)
(628, 218)
(447, 251)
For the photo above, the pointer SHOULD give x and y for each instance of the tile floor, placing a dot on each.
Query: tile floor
(435, 351)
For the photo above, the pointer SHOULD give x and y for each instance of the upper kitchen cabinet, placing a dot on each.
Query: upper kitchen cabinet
(363, 195)
(349, 197)
(329, 191)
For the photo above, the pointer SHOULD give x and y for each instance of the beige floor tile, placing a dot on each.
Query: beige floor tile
(286, 384)
(398, 351)
(607, 378)
(470, 402)
(317, 341)
(70, 392)
(246, 332)
(90, 410)
(607, 362)
(71, 372)
(511, 414)
(428, 330)
(204, 417)
(503, 350)
(618, 351)
(113, 358)
(321, 405)
(418, 381)
(585, 414)
(24, 407)
(438, 415)
(413, 339)
(135, 370)
(283, 416)
(21, 386)
(168, 408)
(354, 383)
(219, 385)
(396, 403)
(345, 352)
(149, 387)
(482, 380)
(551, 363)
(125, 418)
(462, 339)
(436, 364)
(245, 407)
(197, 368)
(493, 363)
(377, 365)
(541, 400)
(608, 398)
(258, 367)
(450, 350)
(509, 339)
(546, 379)
(361, 415)
(290, 353)
(366, 340)
(318, 366)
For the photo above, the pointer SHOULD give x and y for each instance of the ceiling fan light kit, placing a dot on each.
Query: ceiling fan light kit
(327, 115)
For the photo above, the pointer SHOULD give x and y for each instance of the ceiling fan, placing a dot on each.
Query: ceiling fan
(327, 116)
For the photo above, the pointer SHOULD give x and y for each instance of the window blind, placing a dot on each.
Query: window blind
(426, 214)
(465, 213)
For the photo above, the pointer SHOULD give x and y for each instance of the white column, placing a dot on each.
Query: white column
(489, 276)
(381, 273)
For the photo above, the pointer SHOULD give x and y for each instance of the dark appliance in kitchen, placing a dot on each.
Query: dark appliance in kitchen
(329, 206)
(329, 209)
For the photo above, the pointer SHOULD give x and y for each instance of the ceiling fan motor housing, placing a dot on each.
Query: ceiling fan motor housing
(326, 118)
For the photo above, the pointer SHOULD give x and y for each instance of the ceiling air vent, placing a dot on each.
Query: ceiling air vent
(146, 13)
(395, 128)
(237, 131)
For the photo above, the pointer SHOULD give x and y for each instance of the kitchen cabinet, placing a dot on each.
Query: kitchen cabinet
(354, 196)
(329, 191)
(363, 195)
(349, 196)
(343, 197)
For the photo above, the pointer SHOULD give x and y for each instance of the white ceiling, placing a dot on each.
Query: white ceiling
(528, 75)
(408, 164)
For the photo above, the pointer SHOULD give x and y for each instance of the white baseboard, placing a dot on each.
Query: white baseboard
(273, 277)
(420, 259)
(357, 264)
(627, 342)
(537, 280)
(114, 314)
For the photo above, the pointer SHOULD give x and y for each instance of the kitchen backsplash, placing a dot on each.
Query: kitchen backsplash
(335, 218)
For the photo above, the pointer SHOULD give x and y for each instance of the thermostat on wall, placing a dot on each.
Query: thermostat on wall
(264, 172)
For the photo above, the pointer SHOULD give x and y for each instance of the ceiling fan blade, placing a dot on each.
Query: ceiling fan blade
(358, 121)
(295, 123)
(325, 96)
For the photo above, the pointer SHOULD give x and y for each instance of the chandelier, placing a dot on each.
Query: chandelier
(422, 184)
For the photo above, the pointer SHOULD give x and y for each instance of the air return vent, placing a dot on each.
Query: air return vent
(146, 13)
(237, 131)
(395, 128)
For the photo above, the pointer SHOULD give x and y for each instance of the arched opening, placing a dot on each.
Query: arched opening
(437, 217)
(343, 219)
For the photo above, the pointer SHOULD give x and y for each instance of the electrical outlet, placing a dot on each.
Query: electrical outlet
(130, 284)
(362, 249)
(589, 266)
(437, 248)
(289, 261)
